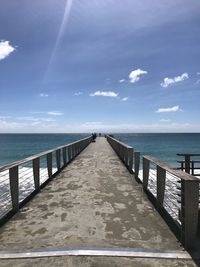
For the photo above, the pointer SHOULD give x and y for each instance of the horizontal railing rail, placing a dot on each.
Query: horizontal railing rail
(127, 154)
(189, 164)
(175, 192)
(24, 178)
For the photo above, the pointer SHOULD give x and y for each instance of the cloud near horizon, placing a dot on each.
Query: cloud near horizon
(55, 113)
(172, 109)
(134, 76)
(165, 120)
(168, 81)
(5, 49)
(44, 95)
(78, 93)
(105, 94)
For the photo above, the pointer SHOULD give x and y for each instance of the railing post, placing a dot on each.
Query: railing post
(69, 153)
(161, 177)
(49, 164)
(136, 163)
(187, 163)
(126, 156)
(64, 153)
(76, 149)
(145, 173)
(14, 187)
(189, 212)
(58, 159)
(130, 161)
(36, 173)
(73, 151)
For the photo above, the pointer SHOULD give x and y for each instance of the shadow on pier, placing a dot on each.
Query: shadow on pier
(94, 202)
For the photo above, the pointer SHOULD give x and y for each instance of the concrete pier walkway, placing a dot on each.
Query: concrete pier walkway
(93, 202)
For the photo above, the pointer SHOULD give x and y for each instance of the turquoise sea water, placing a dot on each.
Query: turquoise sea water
(163, 146)
(18, 146)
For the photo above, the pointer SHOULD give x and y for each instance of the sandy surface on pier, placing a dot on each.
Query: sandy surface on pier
(93, 202)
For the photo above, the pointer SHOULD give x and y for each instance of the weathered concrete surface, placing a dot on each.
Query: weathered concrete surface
(93, 202)
(96, 262)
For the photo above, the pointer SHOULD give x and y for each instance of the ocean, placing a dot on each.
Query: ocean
(14, 147)
(164, 146)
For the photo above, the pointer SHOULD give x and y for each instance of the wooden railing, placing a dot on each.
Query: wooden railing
(189, 164)
(24, 178)
(126, 153)
(175, 192)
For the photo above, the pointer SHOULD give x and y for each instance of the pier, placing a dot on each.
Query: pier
(91, 204)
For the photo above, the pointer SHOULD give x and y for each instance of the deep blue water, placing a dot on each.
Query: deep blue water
(18, 146)
(163, 146)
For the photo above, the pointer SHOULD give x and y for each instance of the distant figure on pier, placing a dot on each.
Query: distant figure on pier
(94, 136)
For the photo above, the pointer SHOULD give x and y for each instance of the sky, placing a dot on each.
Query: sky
(105, 66)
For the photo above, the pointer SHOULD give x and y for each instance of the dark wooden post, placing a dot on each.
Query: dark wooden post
(136, 163)
(189, 211)
(187, 163)
(36, 173)
(130, 161)
(14, 187)
(145, 173)
(49, 164)
(161, 177)
(58, 159)
(64, 153)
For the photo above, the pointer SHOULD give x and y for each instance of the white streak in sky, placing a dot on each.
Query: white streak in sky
(63, 25)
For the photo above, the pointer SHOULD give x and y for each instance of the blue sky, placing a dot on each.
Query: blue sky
(90, 65)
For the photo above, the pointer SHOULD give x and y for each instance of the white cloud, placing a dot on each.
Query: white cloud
(35, 119)
(12, 126)
(198, 73)
(165, 120)
(172, 109)
(5, 49)
(133, 127)
(122, 81)
(125, 98)
(168, 81)
(55, 113)
(134, 76)
(92, 123)
(44, 95)
(78, 93)
(4, 117)
(104, 93)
